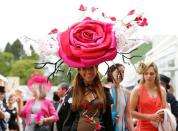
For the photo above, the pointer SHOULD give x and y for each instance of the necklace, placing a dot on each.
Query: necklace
(89, 88)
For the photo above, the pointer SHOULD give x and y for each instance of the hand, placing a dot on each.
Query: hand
(157, 117)
(161, 114)
(41, 122)
(117, 118)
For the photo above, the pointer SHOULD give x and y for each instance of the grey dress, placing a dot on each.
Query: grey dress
(35, 108)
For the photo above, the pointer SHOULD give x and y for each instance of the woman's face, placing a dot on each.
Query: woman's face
(118, 74)
(34, 90)
(150, 75)
(11, 99)
(88, 73)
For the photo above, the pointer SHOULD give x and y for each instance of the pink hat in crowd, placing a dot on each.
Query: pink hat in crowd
(39, 80)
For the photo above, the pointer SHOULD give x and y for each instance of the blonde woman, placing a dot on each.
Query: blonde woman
(38, 110)
(148, 97)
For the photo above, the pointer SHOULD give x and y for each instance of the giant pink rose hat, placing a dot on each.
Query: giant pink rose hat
(87, 43)
(92, 40)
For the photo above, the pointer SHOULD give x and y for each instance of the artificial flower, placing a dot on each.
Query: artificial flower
(88, 120)
(84, 104)
(131, 12)
(87, 43)
(93, 9)
(98, 127)
(113, 18)
(53, 31)
(82, 8)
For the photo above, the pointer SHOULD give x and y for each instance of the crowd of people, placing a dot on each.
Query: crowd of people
(90, 105)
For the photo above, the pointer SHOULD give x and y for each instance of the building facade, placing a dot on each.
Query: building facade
(165, 54)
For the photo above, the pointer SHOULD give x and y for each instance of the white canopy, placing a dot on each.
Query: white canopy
(3, 78)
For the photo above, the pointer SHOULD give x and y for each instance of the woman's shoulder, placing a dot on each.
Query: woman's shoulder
(163, 91)
(136, 90)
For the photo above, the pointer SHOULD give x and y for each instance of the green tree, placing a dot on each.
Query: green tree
(6, 60)
(17, 49)
(8, 48)
(23, 69)
(34, 55)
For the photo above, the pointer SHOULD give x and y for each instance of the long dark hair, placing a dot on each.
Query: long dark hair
(110, 71)
(79, 90)
(110, 77)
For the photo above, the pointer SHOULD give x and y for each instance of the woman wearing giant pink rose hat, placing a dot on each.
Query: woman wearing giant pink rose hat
(84, 46)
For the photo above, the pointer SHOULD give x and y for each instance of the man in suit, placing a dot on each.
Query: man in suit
(61, 92)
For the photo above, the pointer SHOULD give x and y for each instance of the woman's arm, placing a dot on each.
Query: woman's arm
(53, 116)
(163, 91)
(129, 120)
(20, 106)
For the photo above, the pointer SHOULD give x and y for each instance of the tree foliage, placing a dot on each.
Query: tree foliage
(16, 49)
(6, 60)
(34, 55)
(23, 69)
(8, 48)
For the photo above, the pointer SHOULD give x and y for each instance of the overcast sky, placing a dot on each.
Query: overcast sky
(35, 18)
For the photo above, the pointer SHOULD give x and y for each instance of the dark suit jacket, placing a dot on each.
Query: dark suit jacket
(63, 112)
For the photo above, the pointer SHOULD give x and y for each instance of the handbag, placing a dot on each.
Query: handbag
(41, 128)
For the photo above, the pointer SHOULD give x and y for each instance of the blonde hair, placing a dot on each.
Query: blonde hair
(157, 81)
(41, 90)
